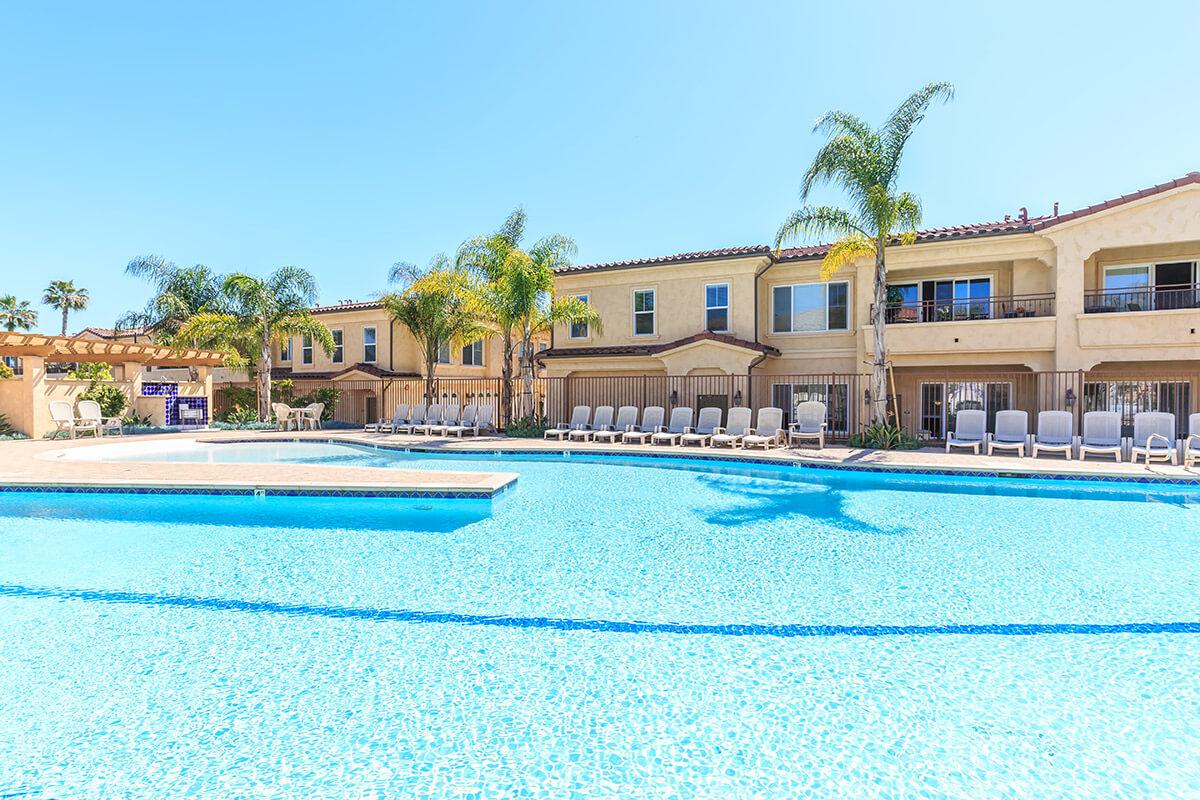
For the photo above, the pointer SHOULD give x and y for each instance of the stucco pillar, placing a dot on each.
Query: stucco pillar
(1068, 302)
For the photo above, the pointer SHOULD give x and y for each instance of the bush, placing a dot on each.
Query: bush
(111, 399)
(884, 437)
(136, 420)
(327, 395)
(6, 371)
(242, 415)
(93, 371)
(531, 427)
(6, 428)
(239, 398)
(243, 426)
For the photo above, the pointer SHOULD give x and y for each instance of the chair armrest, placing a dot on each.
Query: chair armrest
(1154, 436)
(1192, 437)
(689, 429)
(717, 430)
(660, 429)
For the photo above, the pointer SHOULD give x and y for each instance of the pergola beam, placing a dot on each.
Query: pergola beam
(64, 349)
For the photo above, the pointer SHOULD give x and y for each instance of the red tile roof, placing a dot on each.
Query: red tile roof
(348, 305)
(654, 349)
(1009, 225)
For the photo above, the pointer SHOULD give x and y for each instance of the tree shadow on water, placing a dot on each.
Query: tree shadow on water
(760, 503)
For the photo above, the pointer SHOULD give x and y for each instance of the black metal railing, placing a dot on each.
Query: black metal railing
(976, 308)
(1147, 298)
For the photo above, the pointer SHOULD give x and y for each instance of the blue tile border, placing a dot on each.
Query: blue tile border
(692, 455)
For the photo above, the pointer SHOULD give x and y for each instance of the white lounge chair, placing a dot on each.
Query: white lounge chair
(1154, 437)
(681, 420)
(1054, 433)
(769, 431)
(284, 419)
(809, 424)
(433, 418)
(419, 414)
(1101, 435)
(737, 425)
(579, 421)
(399, 417)
(452, 418)
(706, 425)
(1191, 445)
(652, 420)
(1012, 432)
(626, 421)
(602, 421)
(970, 430)
(481, 421)
(63, 417)
(89, 412)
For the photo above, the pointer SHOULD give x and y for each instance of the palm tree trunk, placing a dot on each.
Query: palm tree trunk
(879, 323)
(527, 378)
(64, 327)
(430, 360)
(506, 398)
(264, 377)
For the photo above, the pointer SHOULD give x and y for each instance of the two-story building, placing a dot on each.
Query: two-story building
(1027, 311)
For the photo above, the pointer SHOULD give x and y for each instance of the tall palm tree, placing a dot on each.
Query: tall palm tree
(66, 297)
(180, 294)
(16, 314)
(434, 304)
(260, 312)
(865, 163)
(513, 295)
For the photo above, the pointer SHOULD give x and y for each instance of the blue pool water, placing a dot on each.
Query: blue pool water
(610, 628)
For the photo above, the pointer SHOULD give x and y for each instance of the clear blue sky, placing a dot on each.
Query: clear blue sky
(344, 137)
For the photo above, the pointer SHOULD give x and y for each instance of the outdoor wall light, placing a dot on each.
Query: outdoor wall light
(674, 397)
(1070, 398)
(737, 397)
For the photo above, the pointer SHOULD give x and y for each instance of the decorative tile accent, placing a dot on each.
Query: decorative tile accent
(170, 393)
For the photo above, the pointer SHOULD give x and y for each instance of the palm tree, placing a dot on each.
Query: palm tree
(865, 163)
(16, 314)
(513, 294)
(435, 307)
(260, 312)
(180, 294)
(64, 296)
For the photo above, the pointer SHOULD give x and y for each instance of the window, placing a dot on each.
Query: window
(306, 350)
(643, 312)
(472, 354)
(339, 352)
(443, 355)
(1148, 287)
(716, 307)
(810, 307)
(370, 351)
(285, 349)
(940, 300)
(579, 330)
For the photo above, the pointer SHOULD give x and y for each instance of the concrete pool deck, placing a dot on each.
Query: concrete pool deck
(39, 463)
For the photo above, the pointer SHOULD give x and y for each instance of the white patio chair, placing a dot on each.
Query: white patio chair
(433, 418)
(707, 424)
(1191, 446)
(1012, 432)
(1101, 435)
(769, 431)
(417, 417)
(90, 413)
(809, 424)
(603, 420)
(63, 417)
(737, 425)
(681, 420)
(626, 421)
(579, 421)
(399, 417)
(970, 430)
(312, 415)
(481, 420)
(466, 420)
(1154, 437)
(652, 420)
(284, 419)
(452, 416)
(1054, 433)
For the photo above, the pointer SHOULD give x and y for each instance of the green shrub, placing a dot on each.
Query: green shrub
(93, 371)
(239, 398)
(6, 428)
(136, 420)
(241, 416)
(327, 395)
(884, 437)
(531, 427)
(6, 371)
(111, 399)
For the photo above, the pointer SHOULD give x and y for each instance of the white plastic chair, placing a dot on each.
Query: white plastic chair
(769, 430)
(602, 421)
(284, 420)
(737, 425)
(626, 421)
(1054, 433)
(1012, 432)
(681, 420)
(419, 412)
(63, 417)
(399, 417)
(652, 420)
(1101, 435)
(1191, 446)
(1154, 437)
(90, 413)
(706, 425)
(970, 430)
(809, 424)
(579, 421)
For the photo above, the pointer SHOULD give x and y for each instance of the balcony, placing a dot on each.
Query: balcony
(1144, 298)
(970, 309)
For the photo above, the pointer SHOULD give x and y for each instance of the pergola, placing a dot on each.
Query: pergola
(59, 349)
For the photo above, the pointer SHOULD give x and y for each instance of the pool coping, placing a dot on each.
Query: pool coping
(259, 489)
(698, 454)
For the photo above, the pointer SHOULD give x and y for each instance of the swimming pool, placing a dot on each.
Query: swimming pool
(619, 627)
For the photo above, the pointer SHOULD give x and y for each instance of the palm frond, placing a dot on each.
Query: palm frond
(302, 323)
(844, 252)
(907, 215)
(227, 332)
(900, 125)
(817, 222)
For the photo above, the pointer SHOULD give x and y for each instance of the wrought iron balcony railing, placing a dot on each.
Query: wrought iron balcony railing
(1147, 298)
(975, 308)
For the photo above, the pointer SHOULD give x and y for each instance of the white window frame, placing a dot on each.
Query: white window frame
(1151, 271)
(306, 349)
(285, 349)
(849, 309)
(373, 343)
(338, 356)
(449, 353)
(463, 354)
(728, 307)
(653, 290)
(587, 299)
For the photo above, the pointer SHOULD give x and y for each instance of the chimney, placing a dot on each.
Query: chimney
(1056, 208)
(1007, 217)
(1024, 214)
